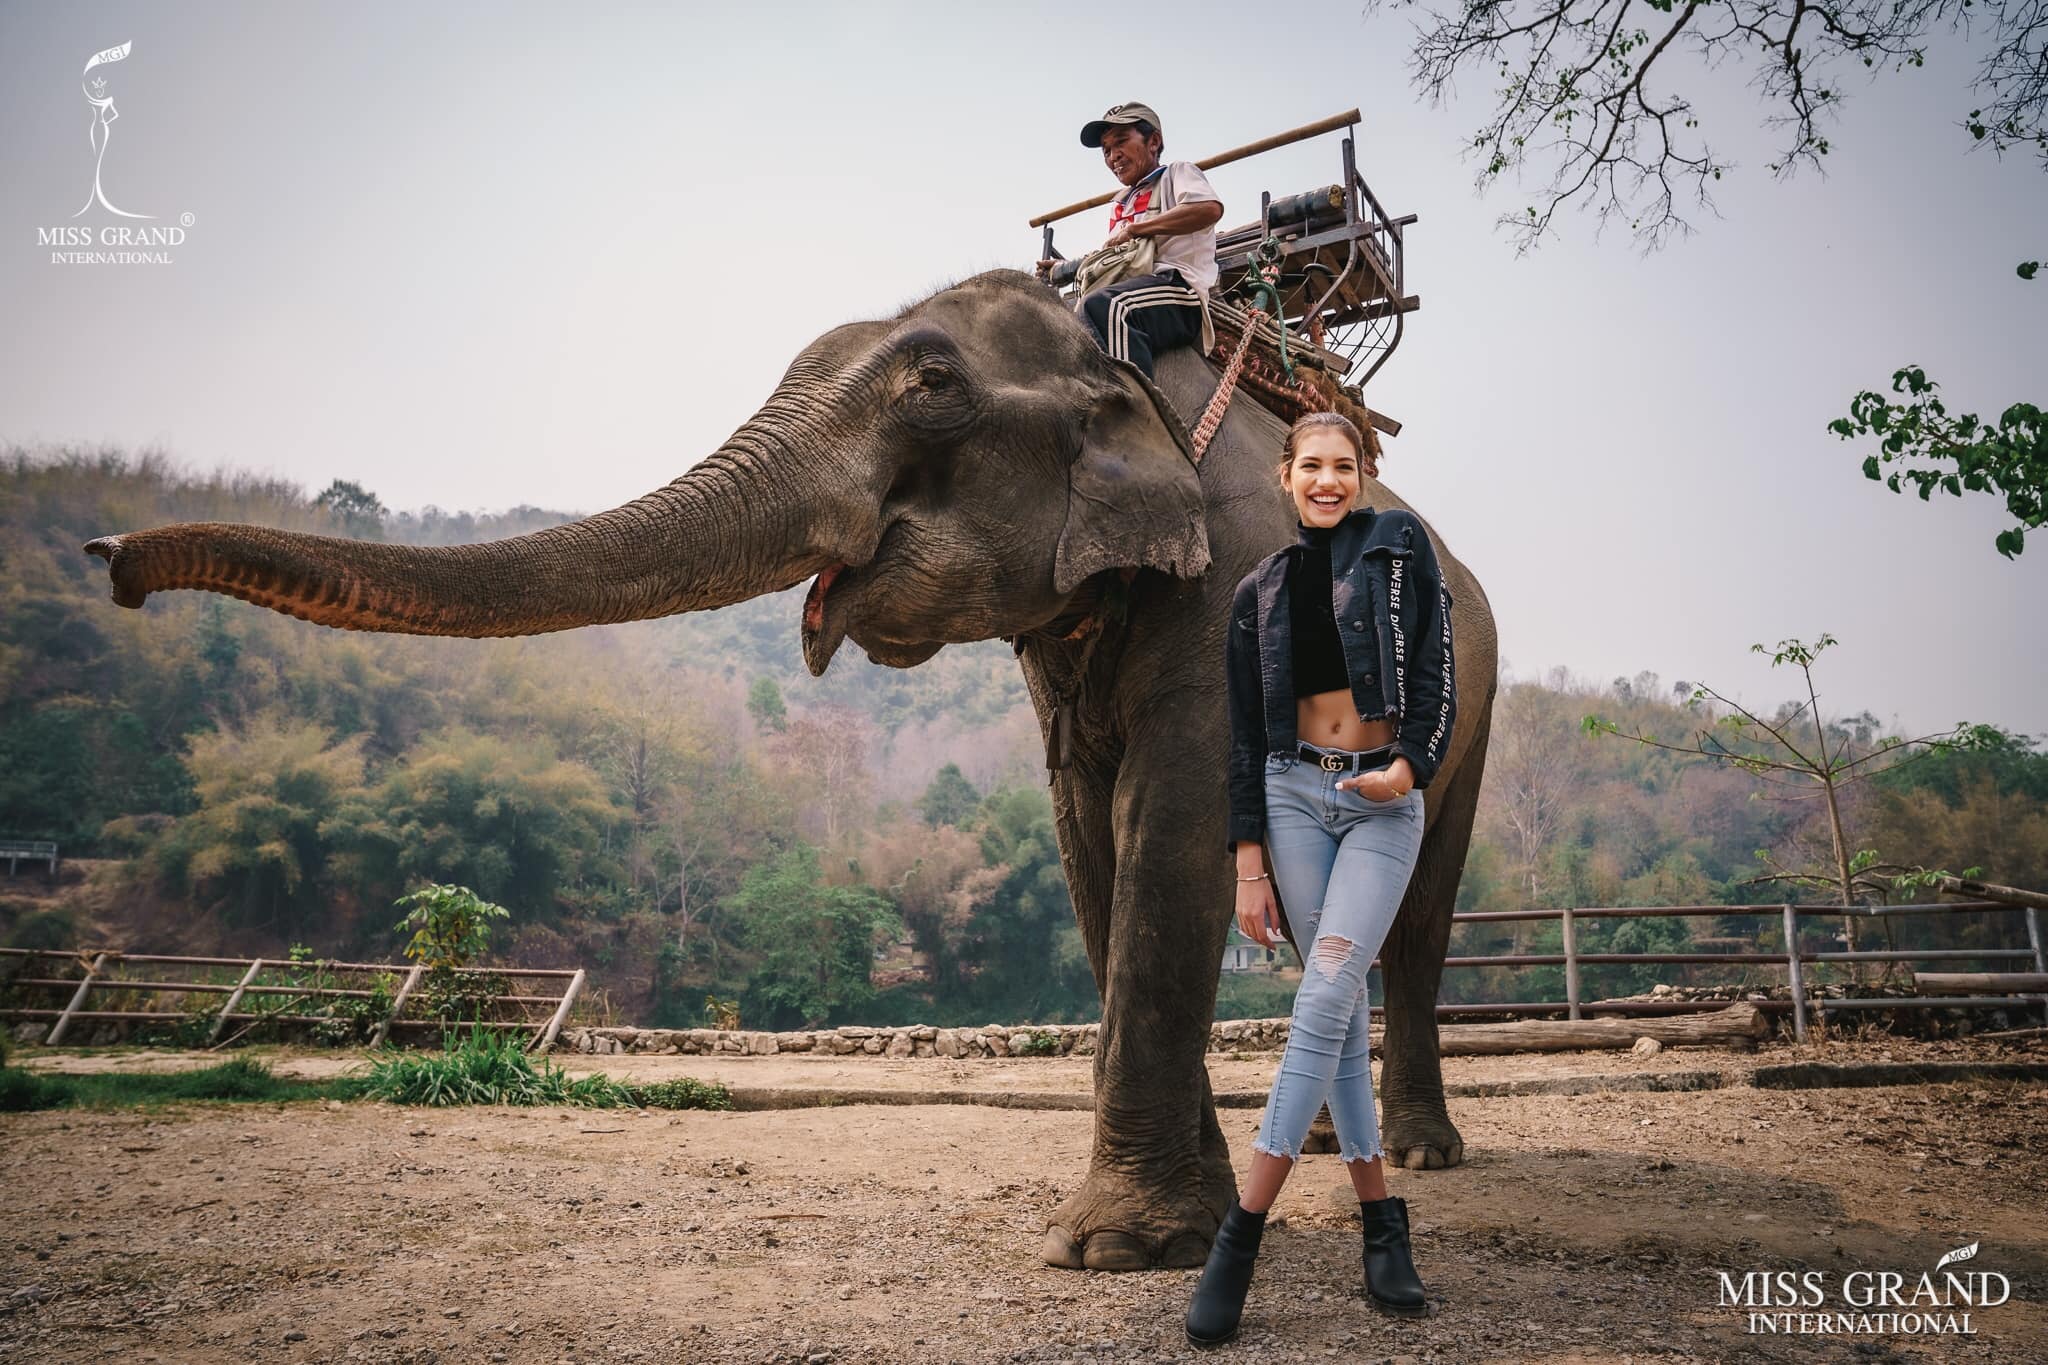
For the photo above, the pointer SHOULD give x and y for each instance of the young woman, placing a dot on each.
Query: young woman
(1341, 706)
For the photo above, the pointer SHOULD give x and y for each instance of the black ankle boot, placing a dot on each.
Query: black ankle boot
(1219, 1297)
(1390, 1279)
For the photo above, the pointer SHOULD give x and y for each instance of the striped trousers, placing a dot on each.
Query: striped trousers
(1135, 319)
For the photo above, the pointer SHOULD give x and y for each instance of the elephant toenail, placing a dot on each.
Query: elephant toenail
(1060, 1249)
(1185, 1249)
(1110, 1249)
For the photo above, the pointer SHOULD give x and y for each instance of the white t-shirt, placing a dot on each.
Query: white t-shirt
(1193, 254)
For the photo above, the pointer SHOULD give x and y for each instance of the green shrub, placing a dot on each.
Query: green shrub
(681, 1094)
(487, 1067)
(491, 1067)
(56, 927)
(450, 996)
(24, 1090)
(451, 925)
(1034, 1044)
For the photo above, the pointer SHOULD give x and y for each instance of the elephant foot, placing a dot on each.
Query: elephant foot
(1422, 1142)
(1117, 1221)
(1322, 1136)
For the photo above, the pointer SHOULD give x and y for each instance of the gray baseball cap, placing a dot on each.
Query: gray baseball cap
(1091, 134)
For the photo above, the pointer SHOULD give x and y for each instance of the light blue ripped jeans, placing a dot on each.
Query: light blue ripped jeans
(1341, 865)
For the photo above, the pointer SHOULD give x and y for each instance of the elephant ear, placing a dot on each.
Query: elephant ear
(1134, 499)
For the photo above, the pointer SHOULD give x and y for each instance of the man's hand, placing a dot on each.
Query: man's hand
(1122, 235)
(1045, 270)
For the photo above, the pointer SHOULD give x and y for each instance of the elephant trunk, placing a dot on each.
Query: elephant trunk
(709, 539)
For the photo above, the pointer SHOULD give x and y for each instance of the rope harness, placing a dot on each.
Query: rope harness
(1261, 286)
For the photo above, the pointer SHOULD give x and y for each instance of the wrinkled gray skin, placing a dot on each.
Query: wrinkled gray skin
(976, 468)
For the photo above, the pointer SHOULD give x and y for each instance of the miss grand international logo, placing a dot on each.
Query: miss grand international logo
(1940, 1302)
(116, 243)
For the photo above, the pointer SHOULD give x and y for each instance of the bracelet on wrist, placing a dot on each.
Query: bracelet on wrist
(1261, 877)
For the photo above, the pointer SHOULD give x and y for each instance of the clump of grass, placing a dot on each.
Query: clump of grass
(21, 1091)
(1034, 1044)
(490, 1067)
(682, 1094)
(486, 1067)
(240, 1081)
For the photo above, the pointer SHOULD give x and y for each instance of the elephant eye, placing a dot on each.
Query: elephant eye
(934, 397)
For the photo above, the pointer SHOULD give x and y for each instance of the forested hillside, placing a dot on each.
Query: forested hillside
(681, 807)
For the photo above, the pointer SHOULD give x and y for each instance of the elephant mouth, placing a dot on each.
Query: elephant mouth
(825, 620)
(829, 610)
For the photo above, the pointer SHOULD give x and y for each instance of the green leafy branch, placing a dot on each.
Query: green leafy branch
(1872, 878)
(1931, 450)
(451, 925)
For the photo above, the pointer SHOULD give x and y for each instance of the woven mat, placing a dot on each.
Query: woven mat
(1313, 389)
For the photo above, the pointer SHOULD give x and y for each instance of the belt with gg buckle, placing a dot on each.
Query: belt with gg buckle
(1342, 761)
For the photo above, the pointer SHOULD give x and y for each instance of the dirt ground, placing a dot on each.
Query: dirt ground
(1581, 1228)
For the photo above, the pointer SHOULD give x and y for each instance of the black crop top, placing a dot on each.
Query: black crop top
(1318, 653)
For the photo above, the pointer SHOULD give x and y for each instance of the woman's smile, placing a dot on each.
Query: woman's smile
(1323, 478)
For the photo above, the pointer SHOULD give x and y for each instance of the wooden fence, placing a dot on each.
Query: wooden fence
(107, 971)
(1792, 958)
(103, 971)
(35, 850)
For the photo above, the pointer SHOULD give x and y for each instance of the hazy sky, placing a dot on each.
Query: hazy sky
(487, 255)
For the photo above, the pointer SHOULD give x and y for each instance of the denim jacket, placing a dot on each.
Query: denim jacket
(1394, 619)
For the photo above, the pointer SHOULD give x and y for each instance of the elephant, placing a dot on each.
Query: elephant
(976, 468)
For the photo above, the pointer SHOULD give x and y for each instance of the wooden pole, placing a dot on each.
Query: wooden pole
(233, 1000)
(547, 1037)
(2032, 902)
(412, 978)
(1737, 1025)
(1991, 891)
(77, 999)
(2014, 1033)
(1571, 963)
(1796, 977)
(2015, 982)
(1264, 144)
(2034, 937)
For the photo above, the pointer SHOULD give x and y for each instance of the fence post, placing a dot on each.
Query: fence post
(1795, 975)
(56, 1034)
(2034, 940)
(547, 1036)
(412, 978)
(1571, 963)
(234, 999)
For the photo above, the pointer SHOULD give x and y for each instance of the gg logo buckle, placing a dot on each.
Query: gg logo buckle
(1331, 763)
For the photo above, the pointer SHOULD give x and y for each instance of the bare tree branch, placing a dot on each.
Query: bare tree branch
(1579, 105)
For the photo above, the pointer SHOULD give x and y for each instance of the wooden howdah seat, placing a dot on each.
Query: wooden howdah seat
(1342, 285)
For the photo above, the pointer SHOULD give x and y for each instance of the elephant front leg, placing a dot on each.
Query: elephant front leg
(1159, 1178)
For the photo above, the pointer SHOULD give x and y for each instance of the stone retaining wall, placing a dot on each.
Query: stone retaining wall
(1078, 1040)
(911, 1040)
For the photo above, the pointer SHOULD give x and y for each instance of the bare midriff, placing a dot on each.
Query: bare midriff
(1330, 719)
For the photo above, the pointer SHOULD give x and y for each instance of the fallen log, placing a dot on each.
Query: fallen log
(1991, 891)
(2014, 1033)
(1992, 982)
(1738, 1026)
